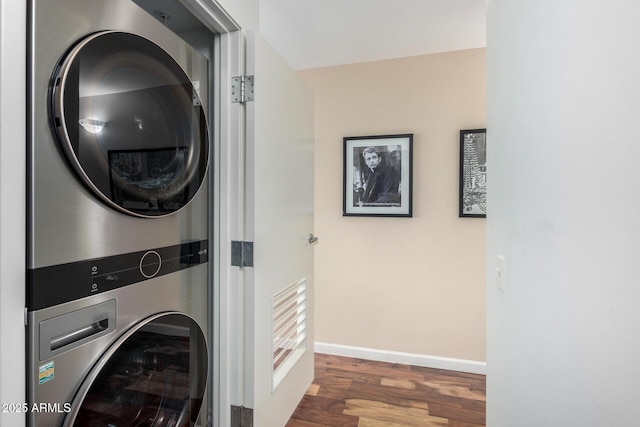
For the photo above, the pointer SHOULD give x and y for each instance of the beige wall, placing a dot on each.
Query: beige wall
(412, 285)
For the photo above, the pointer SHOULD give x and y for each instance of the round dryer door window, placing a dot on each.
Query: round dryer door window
(131, 123)
(154, 376)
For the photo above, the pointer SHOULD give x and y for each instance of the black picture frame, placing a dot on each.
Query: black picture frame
(473, 173)
(378, 175)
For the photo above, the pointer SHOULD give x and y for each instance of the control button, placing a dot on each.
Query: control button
(150, 264)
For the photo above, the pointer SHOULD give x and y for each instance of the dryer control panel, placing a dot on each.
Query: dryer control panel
(56, 284)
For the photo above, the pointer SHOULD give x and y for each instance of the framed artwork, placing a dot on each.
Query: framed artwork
(378, 175)
(473, 173)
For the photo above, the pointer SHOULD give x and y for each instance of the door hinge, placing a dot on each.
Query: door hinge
(242, 89)
(242, 254)
(241, 416)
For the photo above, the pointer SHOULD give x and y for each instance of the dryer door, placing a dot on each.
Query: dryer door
(131, 123)
(155, 375)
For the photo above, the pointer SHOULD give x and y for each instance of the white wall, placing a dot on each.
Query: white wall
(562, 117)
(12, 206)
(244, 12)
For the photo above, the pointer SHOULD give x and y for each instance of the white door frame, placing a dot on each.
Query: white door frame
(229, 303)
(13, 208)
(227, 208)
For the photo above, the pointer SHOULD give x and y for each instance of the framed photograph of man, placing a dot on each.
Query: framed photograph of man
(378, 174)
(473, 173)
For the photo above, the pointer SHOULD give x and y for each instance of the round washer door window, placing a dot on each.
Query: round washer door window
(131, 124)
(154, 376)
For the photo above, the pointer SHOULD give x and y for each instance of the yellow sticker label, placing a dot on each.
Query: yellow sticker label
(45, 372)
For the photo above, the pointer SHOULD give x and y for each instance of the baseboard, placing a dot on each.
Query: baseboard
(425, 361)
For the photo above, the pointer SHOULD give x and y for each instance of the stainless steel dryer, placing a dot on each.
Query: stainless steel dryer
(118, 218)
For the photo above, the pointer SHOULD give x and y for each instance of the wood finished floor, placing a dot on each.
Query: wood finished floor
(349, 392)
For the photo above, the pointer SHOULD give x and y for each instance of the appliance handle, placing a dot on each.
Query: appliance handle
(79, 334)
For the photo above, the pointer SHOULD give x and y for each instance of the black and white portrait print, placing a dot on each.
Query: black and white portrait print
(378, 175)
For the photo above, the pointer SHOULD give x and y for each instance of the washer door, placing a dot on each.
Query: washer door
(131, 123)
(155, 375)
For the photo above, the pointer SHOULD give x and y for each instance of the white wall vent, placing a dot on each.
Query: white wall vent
(289, 339)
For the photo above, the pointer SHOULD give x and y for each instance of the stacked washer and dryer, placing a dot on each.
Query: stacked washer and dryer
(118, 251)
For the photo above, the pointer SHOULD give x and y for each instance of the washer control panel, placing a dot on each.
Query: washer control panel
(56, 284)
(150, 264)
